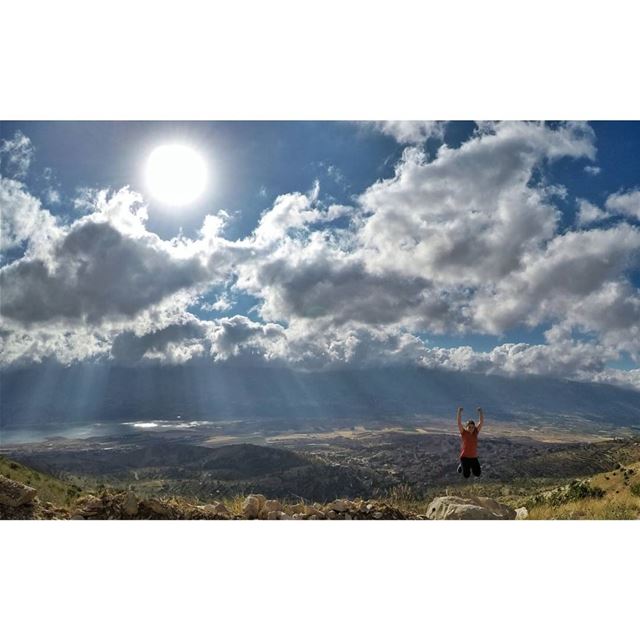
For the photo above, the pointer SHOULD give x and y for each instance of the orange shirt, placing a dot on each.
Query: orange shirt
(469, 444)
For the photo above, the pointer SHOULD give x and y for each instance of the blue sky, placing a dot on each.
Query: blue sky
(391, 179)
(255, 161)
(252, 162)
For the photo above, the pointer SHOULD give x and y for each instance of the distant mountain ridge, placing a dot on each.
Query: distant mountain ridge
(53, 393)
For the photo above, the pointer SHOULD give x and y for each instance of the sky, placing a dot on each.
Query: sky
(498, 247)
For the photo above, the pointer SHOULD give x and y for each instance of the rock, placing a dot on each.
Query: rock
(260, 498)
(298, 516)
(472, 508)
(340, 505)
(130, 504)
(215, 509)
(313, 511)
(298, 508)
(277, 515)
(158, 508)
(273, 505)
(91, 504)
(15, 494)
(331, 514)
(347, 516)
(522, 513)
(377, 515)
(251, 507)
(220, 509)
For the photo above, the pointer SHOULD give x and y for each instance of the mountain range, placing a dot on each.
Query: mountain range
(51, 393)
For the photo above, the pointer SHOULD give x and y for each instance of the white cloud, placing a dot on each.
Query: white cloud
(16, 155)
(412, 131)
(592, 170)
(589, 213)
(572, 268)
(223, 303)
(625, 203)
(471, 214)
(622, 203)
(23, 220)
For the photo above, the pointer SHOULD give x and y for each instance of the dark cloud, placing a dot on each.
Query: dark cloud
(93, 273)
(130, 348)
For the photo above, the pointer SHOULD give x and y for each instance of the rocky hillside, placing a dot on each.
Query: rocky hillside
(614, 494)
(21, 501)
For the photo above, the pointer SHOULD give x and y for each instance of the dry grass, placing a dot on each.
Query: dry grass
(607, 508)
(50, 489)
(619, 502)
(234, 504)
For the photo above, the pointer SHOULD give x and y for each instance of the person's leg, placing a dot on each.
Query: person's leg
(466, 467)
(475, 467)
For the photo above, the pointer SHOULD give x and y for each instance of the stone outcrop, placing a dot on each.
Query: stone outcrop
(251, 507)
(215, 509)
(472, 508)
(272, 505)
(15, 494)
(19, 501)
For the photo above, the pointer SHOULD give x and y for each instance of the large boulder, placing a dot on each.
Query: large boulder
(272, 505)
(472, 508)
(313, 512)
(15, 494)
(251, 507)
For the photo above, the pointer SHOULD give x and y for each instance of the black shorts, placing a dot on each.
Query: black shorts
(470, 465)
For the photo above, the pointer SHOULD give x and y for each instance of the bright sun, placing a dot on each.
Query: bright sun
(175, 174)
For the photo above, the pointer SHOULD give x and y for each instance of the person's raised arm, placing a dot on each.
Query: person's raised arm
(460, 427)
(480, 418)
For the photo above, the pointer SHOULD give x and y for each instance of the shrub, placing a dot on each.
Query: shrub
(579, 490)
(575, 490)
(635, 489)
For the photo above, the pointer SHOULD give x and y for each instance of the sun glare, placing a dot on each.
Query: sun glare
(175, 174)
